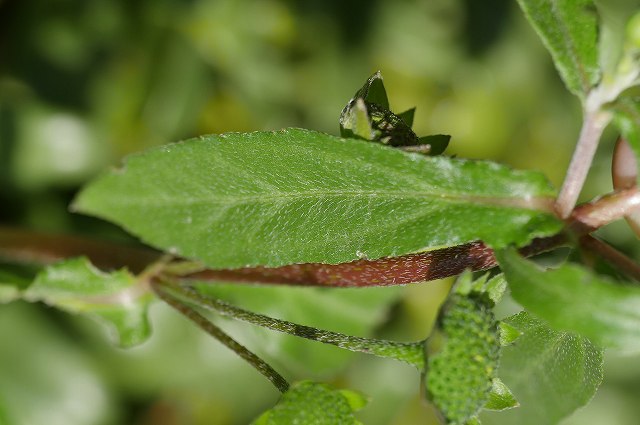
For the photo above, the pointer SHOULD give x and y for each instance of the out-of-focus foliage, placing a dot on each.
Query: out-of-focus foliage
(83, 83)
(309, 402)
(551, 373)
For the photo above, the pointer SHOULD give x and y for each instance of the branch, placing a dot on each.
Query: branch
(260, 365)
(412, 268)
(612, 256)
(412, 353)
(29, 247)
(591, 216)
(594, 123)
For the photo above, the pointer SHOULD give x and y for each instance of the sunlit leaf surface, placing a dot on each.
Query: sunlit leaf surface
(296, 196)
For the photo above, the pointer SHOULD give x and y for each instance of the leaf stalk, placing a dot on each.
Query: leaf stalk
(260, 365)
(411, 353)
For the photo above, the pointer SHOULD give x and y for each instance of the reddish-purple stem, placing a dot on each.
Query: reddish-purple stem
(436, 264)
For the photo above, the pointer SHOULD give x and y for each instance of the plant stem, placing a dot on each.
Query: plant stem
(29, 247)
(260, 365)
(411, 268)
(411, 353)
(595, 120)
(593, 215)
(612, 255)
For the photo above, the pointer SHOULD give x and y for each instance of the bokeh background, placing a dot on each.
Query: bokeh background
(85, 82)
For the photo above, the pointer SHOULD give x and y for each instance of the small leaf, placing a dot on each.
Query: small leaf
(357, 401)
(496, 287)
(389, 129)
(437, 142)
(566, 298)
(298, 196)
(370, 121)
(357, 123)
(462, 354)
(407, 116)
(116, 298)
(569, 30)
(313, 403)
(500, 397)
(367, 116)
(550, 373)
(373, 91)
(508, 334)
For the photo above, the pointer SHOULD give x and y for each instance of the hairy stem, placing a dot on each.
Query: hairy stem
(593, 215)
(29, 247)
(624, 173)
(411, 353)
(594, 123)
(411, 268)
(612, 256)
(260, 365)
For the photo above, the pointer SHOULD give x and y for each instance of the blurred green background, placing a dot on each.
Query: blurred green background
(85, 82)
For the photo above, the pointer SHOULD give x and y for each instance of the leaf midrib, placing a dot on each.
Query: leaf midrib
(538, 203)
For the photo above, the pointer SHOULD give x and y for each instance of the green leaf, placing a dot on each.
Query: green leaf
(569, 30)
(373, 91)
(494, 288)
(372, 122)
(508, 334)
(437, 142)
(463, 354)
(356, 122)
(407, 116)
(116, 298)
(572, 298)
(313, 403)
(353, 311)
(367, 116)
(390, 129)
(500, 397)
(550, 373)
(298, 196)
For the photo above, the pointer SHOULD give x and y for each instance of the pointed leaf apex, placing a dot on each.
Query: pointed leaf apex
(500, 397)
(508, 334)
